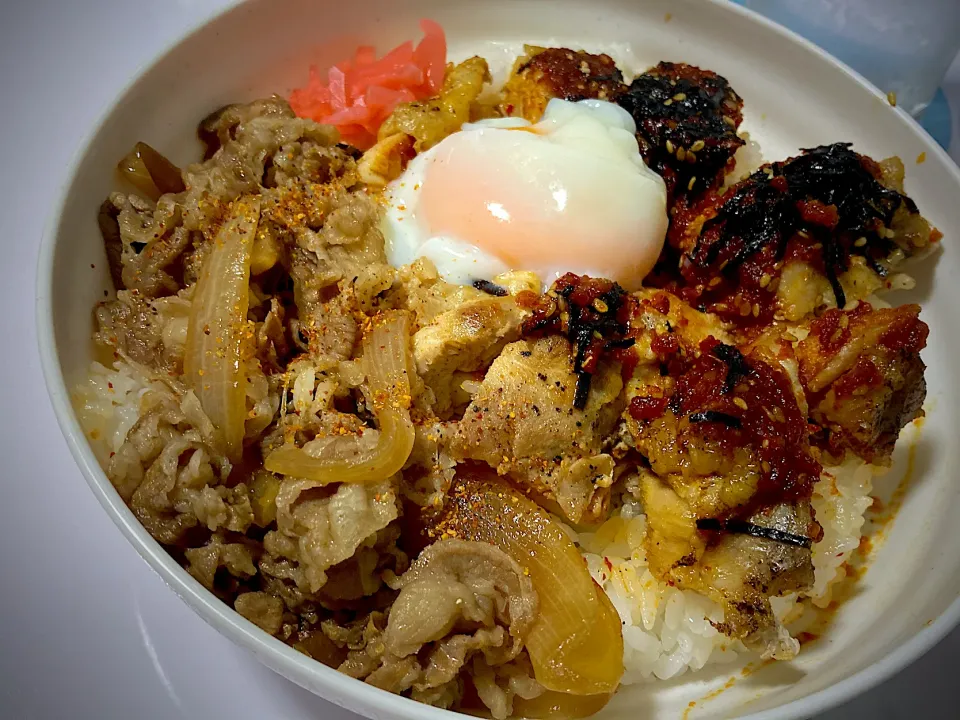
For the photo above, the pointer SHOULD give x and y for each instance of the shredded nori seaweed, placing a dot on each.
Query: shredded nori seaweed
(620, 344)
(588, 312)
(743, 527)
(715, 416)
(737, 366)
(584, 321)
(766, 210)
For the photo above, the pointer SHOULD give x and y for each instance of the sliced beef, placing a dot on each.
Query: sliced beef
(461, 602)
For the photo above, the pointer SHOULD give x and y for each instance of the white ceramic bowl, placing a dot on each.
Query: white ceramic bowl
(795, 96)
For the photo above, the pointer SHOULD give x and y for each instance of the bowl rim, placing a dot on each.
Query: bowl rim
(353, 694)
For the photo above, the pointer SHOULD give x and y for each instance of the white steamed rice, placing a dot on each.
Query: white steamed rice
(666, 631)
(108, 405)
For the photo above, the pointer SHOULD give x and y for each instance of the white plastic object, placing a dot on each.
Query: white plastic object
(903, 47)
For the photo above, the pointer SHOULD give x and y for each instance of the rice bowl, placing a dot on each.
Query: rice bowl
(857, 490)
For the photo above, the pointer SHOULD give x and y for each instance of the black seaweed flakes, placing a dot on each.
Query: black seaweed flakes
(765, 210)
(687, 121)
(589, 313)
(742, 527)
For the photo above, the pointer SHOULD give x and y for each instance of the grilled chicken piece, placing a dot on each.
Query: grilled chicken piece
(729, 434)
(676, 447)
(687, 121)
(666, 330)
(414, 127)
(463, 340)
(864, 376)
(673, 539)
(724, 432)
(546, 73)
(742, 572)
(430, 121)
(815, 231)
(523, 423)
(767, 556)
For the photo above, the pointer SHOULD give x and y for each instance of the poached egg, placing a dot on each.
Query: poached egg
(567, 194)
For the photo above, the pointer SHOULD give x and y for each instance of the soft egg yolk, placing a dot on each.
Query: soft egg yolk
(564, 195)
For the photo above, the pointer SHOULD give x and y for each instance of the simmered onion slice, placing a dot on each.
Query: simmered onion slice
(218, 322)
(387, 362)
(576, 645)
(150, 171)
(560, 706)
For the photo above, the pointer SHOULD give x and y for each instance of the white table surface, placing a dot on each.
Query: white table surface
(87, 630)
